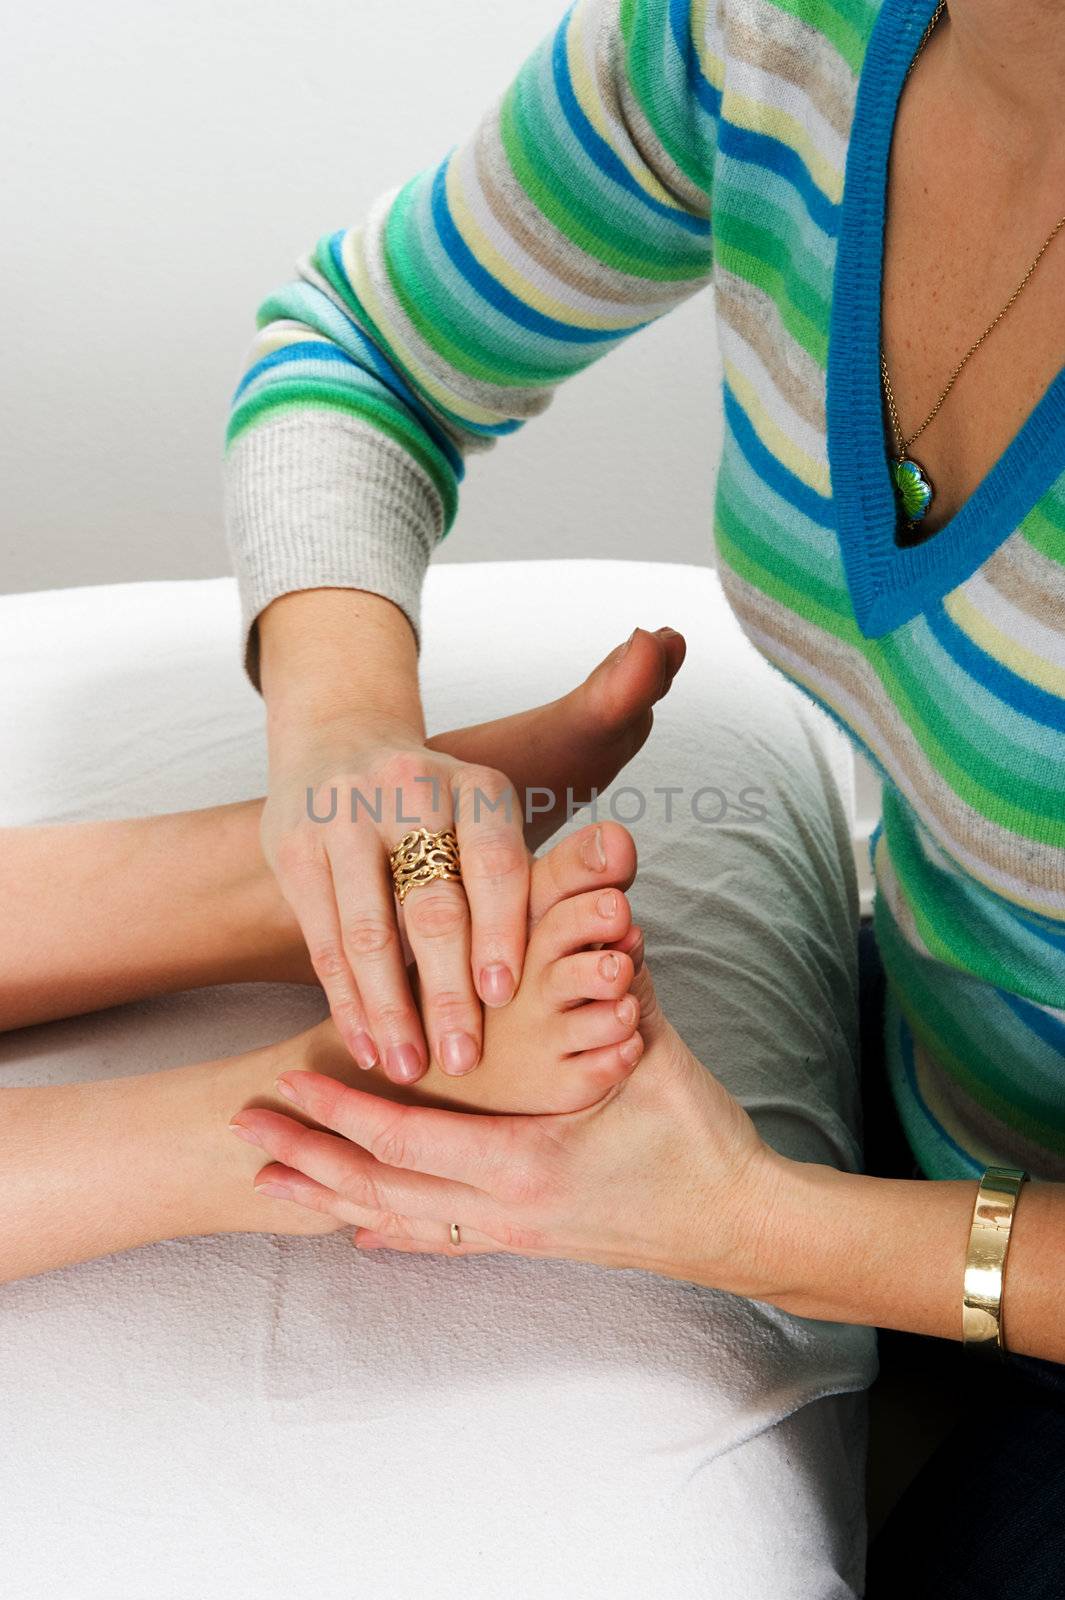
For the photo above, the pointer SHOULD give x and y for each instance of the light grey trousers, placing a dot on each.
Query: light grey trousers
(225, 1417)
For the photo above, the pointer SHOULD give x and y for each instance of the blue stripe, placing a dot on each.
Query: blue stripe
(492, 291)
(606, 159)
(1020, 693)
(909, 1067)
(680, 25)
(759, 149)
(762, 150)
(1046, 1027)
(308, 349)
(765, 465)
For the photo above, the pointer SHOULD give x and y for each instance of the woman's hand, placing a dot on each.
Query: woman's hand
(349, 770)
(335, 810)
(667, 1173)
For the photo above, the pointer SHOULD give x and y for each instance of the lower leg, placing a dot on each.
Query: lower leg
(91, 1168)
(99, 913)
(102, 913)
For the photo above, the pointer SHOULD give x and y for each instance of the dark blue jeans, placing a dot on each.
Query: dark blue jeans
(985, 1517)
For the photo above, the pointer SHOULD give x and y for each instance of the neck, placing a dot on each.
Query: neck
(1010, 55)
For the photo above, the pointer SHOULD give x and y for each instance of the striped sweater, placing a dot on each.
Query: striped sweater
(645, 149)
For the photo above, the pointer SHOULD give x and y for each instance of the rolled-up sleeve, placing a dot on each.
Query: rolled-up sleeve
(577, 212)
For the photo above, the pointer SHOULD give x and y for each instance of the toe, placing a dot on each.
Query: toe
(590, 975)
(598, 856)
(602, 916)
(619, 694)
(596, 1071)
(599, 1023)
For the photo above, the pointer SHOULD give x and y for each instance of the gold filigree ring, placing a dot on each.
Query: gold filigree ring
(421, 857)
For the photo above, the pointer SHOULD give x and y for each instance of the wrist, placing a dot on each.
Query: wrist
(339, 656)
(334, 738)
(845, 1247)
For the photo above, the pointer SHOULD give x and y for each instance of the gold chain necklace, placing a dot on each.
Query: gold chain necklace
(913, 487)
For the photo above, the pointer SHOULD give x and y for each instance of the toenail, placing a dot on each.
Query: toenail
(607, 905)
(609, 967)
(592, 853)
(627, 1011)
(404, 1064)
(622, 648)
(497, 984)
(631, 1050)
(458, 1053)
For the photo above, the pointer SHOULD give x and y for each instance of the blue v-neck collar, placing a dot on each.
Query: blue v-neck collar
(889, 584)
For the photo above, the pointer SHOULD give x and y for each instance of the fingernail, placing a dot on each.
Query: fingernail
(627, 1011)
(607, 905)
(631, 1050)
(592, 852)
(609, 967)
(279, 1191)
(404, 1064)
(288, 1092)
(458, 1053)
(364, 1051)
(497, 984)
(245, 1133)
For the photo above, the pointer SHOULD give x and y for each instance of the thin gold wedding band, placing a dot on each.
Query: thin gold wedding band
(421, 857)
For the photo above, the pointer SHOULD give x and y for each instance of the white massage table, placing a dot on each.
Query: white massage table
(228, 1418)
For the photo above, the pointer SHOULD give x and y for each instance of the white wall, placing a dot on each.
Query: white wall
(164, 165)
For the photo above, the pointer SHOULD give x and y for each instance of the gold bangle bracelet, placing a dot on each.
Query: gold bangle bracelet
(985, 1260)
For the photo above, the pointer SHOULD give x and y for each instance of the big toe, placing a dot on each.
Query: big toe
(600, 856)
(619, 694)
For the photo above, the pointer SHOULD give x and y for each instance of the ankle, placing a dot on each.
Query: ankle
(260, 927)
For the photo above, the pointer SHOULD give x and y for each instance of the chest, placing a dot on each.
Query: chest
(963, 225)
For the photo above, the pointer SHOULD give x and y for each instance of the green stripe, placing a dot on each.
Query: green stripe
(960, 1054)
(846, 24)
(1004, 798)
(765, 261)
(750, 558)
(304, 393)
(588, 210)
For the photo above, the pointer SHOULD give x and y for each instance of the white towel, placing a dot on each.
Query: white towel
(225, 1418)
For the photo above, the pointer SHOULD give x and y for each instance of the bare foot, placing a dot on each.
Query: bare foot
(581, 742)
(572, 747)
(567, 1038)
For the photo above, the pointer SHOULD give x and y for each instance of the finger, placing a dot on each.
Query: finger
(495, 872)
(437, 920)
(307, 884)
(382, 1195)
(279, 1182)
(472, 1244)
(374, 951)
(600, 855)
(508, 1157)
